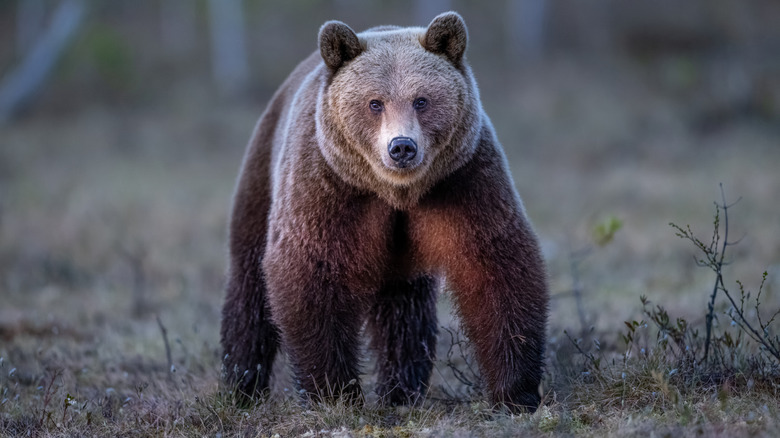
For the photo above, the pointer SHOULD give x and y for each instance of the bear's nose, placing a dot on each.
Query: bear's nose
(402, 149)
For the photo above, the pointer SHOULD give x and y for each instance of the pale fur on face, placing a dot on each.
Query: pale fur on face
(400, 121)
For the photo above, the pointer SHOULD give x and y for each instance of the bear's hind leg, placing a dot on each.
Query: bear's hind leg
(403, 329)
(249, 338)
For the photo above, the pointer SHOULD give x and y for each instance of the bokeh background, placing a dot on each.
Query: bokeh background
(123, 124)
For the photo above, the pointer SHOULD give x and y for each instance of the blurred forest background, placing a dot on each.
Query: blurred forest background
(719, 56)
(123, 124)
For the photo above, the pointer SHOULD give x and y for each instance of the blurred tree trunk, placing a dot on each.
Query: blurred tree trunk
(29, 22)
(178, 26)
(425, 10)
(228, 47)
(525, 29)
(21, 85)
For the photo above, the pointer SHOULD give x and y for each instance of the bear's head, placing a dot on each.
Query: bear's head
(398, 109)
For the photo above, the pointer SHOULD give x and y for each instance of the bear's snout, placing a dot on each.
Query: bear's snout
(402, 150)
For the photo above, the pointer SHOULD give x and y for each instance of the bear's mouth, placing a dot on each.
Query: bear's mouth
(399, 174)
(403, 166)
(407, 167)
(404, 173)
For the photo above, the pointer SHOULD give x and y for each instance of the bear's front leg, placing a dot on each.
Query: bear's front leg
(320, 318)
(322, 267)
(472, 226)
(500, 293)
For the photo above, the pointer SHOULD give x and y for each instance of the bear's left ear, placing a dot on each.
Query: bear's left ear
(338, 44)
(447, 35)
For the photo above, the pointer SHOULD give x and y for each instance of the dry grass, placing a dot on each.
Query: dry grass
(110, 220)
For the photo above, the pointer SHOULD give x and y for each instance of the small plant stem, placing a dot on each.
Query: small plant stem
(577, 291)
(575, 258)
(752, 332)
(167, 345)
(718, 268)
(48, 394)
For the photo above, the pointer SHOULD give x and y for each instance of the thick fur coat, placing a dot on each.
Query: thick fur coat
(333, 230)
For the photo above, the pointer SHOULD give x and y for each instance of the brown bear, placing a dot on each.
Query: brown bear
(373, 175)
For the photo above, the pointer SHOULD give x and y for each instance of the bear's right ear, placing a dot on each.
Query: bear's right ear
(447, 35)
(338, 44)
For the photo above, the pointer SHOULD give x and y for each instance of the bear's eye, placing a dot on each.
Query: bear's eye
(376, 106)
(420, 103)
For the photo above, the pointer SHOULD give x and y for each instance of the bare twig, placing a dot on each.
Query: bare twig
(575, 258)
(595, 362)
(717, 267)
(167, 346)
(715, 259)
(745, 325)
(49, 394)
(468, 377)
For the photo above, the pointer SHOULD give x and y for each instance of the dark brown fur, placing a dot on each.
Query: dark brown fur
(324, 236)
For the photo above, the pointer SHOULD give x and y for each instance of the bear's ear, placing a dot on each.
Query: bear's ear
(447, 35)
(338, 44)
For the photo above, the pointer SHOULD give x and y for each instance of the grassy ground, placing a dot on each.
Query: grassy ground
(112, 245)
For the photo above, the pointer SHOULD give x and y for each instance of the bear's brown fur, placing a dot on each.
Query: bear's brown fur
(330, 228)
